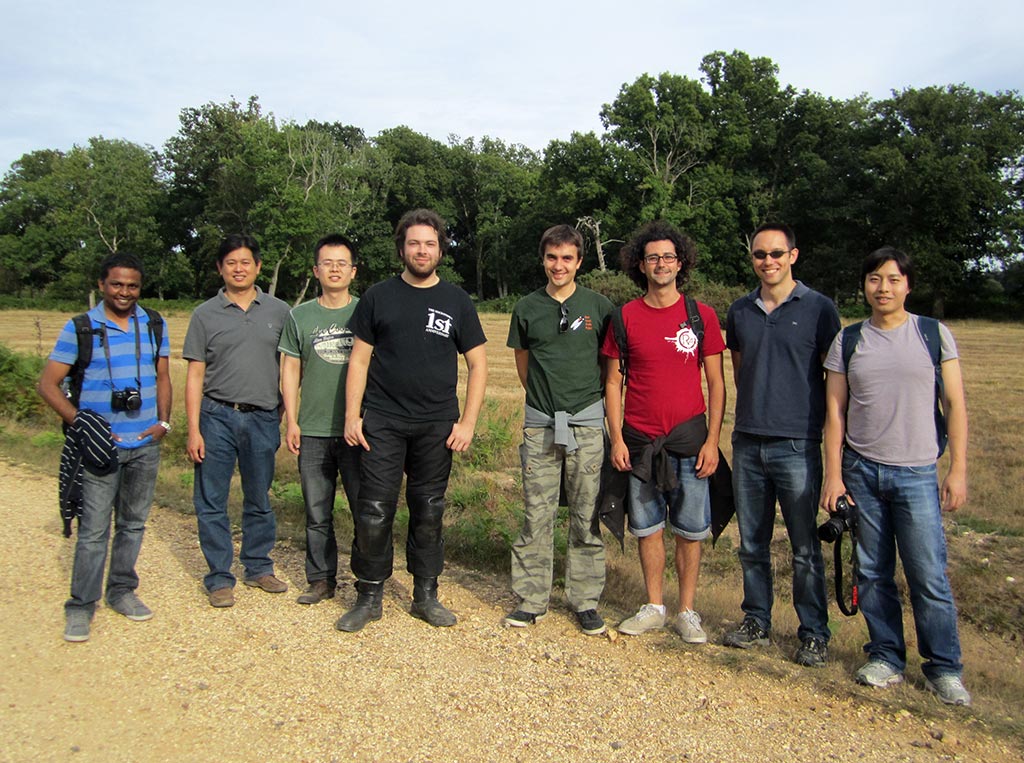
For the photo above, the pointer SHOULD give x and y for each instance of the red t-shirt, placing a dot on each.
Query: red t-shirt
(664, 386)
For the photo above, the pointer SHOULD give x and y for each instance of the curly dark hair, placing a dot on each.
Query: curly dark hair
(633, 252)
(421, 217)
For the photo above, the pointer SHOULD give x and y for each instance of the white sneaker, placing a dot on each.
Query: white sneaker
(687, 625)
(950, 689)
(647, 619)
(879, 674)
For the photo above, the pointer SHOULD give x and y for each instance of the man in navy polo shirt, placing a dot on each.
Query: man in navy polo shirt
(778, 336)
(128, 388)
(231, 401)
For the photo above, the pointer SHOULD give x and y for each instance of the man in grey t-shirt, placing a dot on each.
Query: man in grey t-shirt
(881, 448)
(231, 401)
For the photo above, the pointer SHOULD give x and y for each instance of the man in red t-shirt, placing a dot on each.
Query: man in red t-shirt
(665, 439)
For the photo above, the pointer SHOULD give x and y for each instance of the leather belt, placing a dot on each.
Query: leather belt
(240, 407)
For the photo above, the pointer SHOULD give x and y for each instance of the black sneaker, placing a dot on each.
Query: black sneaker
(521, 619)
(812, 653)
(591, 622)
(747, 635)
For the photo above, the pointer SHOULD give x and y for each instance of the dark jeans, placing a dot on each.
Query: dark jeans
(766, 469)
(321, 460)
(250, 439)
(128, 495)
(418, 449)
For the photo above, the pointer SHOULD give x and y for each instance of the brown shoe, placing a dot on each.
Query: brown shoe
(317, 591)
(268, 583)
(222, 597)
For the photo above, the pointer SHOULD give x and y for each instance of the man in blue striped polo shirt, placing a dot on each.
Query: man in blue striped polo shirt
(128, 386)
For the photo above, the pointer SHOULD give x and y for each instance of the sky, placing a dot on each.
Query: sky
(526, 72)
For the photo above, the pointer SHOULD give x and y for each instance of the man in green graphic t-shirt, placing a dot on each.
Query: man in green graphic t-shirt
(315, 347)
(555, 333)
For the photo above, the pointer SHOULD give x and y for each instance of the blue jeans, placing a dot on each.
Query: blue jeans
(687, 507)
(766, 469)
(251, 440)
(321, 460)
(898, 507)
(128, 495)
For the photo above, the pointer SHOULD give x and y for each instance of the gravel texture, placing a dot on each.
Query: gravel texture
(272, 680)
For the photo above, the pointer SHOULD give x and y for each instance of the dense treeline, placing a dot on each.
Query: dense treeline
(938, 171)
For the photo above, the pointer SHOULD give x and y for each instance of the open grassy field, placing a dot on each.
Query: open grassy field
(986, 538)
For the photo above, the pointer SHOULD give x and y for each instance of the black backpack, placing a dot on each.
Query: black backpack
(933, 341)
(693, 320)
(84, 333)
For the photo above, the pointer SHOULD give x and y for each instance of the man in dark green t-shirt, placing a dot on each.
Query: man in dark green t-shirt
(315, 347)
(556, 332)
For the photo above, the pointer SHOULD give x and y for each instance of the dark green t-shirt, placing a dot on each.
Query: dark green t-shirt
(320, 337)
(564, 371)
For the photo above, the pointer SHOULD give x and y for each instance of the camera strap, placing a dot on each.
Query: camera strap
(138, 354)
(838, 556)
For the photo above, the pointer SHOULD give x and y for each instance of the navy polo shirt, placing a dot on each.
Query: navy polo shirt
(780, 389)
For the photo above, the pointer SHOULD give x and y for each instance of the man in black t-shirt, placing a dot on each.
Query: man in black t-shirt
(401, 407)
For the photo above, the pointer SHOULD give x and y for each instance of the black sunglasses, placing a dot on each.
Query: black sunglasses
(775, 254)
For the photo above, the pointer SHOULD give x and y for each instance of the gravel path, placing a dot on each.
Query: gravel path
(271, 680)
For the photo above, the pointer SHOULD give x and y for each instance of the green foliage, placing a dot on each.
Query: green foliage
(715, 295)
(499, 305)
(615, 285)
(18, 376)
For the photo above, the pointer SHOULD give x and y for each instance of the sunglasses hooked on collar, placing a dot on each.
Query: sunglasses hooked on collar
(563, 322)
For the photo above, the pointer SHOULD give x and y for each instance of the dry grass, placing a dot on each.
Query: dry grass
(986, 538)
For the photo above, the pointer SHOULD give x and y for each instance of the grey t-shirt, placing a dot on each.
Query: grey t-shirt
(239, 348)
(890, 418)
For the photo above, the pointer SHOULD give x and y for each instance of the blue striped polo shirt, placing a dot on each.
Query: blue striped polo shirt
(99, 383)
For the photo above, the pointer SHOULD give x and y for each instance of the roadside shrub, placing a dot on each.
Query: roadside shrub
(18, 375)
(617, 286)
(716, 295)
(498, 305)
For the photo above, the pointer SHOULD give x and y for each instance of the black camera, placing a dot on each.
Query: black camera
(127, 399)
(844, 518)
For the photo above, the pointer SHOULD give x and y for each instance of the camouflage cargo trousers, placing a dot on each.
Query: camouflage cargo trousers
(533, 550)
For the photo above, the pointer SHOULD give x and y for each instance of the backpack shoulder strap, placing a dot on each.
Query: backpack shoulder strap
(694, 319)
(933, 341)
(84, 333)
(619, 331)
(156, 331)
(851, 336)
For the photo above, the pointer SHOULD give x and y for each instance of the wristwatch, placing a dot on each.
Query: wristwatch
(166, 425)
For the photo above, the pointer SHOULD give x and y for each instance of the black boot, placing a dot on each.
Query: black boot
(425, 605)
(368, 606)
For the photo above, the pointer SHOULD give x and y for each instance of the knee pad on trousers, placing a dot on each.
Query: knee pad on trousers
(373, 521)
(428, 510)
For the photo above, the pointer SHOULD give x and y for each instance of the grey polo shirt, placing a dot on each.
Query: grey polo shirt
(239, 348)
(780, 390)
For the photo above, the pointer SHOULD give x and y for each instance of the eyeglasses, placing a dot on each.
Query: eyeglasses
(775, 254)
(332, 264)
(563, 323)
(654, 259)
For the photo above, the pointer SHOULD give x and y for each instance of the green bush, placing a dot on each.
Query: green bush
(617, 286)
(18, 376)
(498, 305)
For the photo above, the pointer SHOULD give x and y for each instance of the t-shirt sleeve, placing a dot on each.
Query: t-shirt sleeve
(610, 347)
(828, 325)
(713, 343)
(361, 322)
(834, 359)
(65, 350)
(472, 333)
(289, 343)
(516, 331)
(731, 340)
(949, 349)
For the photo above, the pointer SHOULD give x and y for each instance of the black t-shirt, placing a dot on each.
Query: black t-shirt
(417, 336)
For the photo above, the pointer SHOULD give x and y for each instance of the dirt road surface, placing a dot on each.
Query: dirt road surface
(271, 680)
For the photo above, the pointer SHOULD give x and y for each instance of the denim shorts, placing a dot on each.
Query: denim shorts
(687, 507)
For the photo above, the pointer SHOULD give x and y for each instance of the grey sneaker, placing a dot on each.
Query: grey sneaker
(879, 674)
(687, 625)
(521, 619)
(950, 689)
(747, 635)
(77, 626)
(590, 622)
(131, 606)
(812, 653)
(647, 619)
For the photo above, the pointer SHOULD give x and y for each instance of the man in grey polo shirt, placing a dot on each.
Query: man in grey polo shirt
(232, 400)
(778, 336)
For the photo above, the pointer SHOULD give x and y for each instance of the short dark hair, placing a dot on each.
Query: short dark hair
(879, 257)
(557, 235)
(120, 260)
(334, 239)
(421, 217)
(238, 241)
(782, 228)
(659, 230)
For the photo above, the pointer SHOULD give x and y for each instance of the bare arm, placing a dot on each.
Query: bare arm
(714, 372)
(355, 387)
(49, 389)
(291, 376)
(476, 383)
(194, 376)
(613, 389)
(836, 397)
(954, 405)
(164, 396)
(522, 365)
